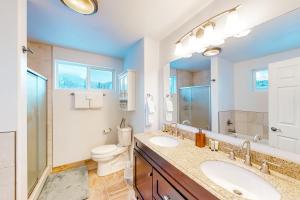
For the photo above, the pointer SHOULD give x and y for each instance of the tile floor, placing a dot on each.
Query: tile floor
(111, 187)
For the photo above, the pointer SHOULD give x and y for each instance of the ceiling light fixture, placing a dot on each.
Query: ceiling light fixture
(85, 7)
(205, 38)
(212, 51)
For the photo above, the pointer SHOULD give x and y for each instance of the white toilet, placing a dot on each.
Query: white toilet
(112, 158)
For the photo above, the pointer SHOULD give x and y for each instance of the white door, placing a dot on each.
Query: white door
(284, 105)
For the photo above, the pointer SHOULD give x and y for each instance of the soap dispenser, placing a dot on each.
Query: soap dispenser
(200, 139)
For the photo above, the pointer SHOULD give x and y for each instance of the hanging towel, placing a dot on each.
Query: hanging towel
(169, 105)
(80, 101)
(169, 116)
(96, 100)
(169, 109)
(150, 110)
(150, 105)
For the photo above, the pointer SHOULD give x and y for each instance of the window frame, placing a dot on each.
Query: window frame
(102, 69)
(88, 78)
(254, 71)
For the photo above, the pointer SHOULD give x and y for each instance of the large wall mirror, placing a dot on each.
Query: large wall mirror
(251, 90)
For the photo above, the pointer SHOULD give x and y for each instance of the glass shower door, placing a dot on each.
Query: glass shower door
(42, 125)
(194, 106)
(185, 107)
(201, 107)
(32, 131)
(36, 128)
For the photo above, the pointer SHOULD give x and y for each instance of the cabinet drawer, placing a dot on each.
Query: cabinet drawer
(163, 190)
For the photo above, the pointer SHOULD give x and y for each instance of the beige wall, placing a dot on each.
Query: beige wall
(41, 62)
(187, 78)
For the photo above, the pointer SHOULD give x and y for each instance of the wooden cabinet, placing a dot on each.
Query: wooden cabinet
(156, 179)
(143, 177)
(164, 190)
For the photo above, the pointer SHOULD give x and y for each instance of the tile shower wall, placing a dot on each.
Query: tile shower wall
(7, 166)
(244, 122)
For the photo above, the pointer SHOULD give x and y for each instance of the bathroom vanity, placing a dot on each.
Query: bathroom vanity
(155, 178)
(176, 172)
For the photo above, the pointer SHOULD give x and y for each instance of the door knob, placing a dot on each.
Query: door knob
(275, 129)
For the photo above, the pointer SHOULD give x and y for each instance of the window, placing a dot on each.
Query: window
(71, 75)
(101, 79)
(78, 76)
(261, 79)
(172, 83)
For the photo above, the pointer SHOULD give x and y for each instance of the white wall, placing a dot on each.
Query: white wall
(245, 97)
(222, 94)
(13, 104)
(76, 132)
(152, 77)
(134, 59)
(143, 57)
(225, 82)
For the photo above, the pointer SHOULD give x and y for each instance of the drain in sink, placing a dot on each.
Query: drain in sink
(237, 192)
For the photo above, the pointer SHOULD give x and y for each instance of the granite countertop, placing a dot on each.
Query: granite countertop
(187, 158)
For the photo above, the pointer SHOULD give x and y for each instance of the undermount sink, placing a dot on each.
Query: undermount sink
(164, 141)
(239, 181)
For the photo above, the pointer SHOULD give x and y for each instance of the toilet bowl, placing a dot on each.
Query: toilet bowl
(112, 158)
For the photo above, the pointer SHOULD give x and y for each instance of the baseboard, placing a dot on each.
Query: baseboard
(39, 186)
(90, 164)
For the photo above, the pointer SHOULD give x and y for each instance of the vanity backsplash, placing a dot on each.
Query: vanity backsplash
(278, 165)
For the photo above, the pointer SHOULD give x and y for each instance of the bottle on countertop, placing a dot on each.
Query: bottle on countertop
(200, 139)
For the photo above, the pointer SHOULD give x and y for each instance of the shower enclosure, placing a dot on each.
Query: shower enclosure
(194, 106)
(36, 127)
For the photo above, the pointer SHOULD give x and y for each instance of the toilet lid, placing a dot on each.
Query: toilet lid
(104, 149)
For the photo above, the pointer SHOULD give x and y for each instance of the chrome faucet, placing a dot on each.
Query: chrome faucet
(247, 160)
(186, 122)
(257, 138)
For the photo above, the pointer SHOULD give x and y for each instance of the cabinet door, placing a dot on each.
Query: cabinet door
(142, 176)
(163, 190)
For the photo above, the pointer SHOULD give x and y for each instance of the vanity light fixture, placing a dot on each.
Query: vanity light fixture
(205, 38)
(234, 25)
(212, 51)
(85, 7)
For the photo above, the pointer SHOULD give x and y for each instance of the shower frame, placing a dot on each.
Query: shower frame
(209, 102)
(31, 190)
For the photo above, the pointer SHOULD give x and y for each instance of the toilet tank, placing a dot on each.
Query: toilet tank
(124, 136)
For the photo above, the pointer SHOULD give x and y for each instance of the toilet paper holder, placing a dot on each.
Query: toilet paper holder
(107, 131)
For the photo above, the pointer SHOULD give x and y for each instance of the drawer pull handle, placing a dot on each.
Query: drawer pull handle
(150, 174)
(166, 197)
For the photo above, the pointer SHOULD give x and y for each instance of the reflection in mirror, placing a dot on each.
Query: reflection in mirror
(255, 95)
(265, 69)
(190, 91)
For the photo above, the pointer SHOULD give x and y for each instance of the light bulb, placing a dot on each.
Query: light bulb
(179, 50)
(192, 43)
(211, 37)
(235, 26)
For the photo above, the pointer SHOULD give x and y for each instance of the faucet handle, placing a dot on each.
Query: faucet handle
(231, 154)
(265, 166)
